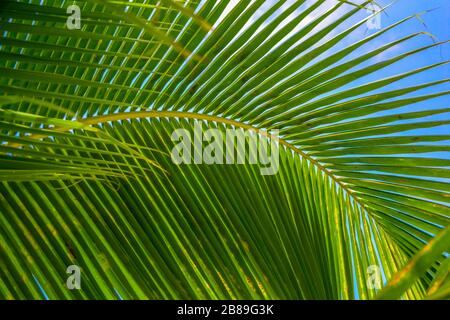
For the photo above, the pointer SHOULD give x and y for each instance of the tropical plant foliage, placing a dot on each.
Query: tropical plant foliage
(86, 118)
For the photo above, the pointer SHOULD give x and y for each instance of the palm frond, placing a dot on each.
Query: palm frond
(86, 118)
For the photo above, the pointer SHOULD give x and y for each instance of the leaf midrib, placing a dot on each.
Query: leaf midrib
(217, 119)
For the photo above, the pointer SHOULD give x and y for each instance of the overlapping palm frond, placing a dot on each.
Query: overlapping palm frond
(86, 118)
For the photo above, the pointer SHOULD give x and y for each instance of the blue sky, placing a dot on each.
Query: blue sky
(436, 22)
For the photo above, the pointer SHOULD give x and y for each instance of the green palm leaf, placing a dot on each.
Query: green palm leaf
(86, 177)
